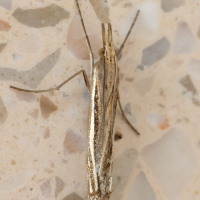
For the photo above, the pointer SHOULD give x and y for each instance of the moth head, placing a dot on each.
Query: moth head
(101, 52)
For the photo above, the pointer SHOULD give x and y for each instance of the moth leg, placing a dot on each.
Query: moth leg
(87, 40)
(87, 83)
(132, 25)
(124, 116)
(59, 86)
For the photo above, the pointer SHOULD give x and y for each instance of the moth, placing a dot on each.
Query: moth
(104, 96)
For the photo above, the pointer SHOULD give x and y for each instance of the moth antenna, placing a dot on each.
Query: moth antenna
(87, 40)
(132, 25)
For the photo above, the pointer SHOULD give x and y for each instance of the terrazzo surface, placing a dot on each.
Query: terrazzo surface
(43, 137)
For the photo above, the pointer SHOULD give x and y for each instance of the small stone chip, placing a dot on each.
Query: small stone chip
(72, 196)
(42, 17)
(47, 107)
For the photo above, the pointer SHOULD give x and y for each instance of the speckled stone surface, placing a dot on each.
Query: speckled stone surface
(43, 137)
